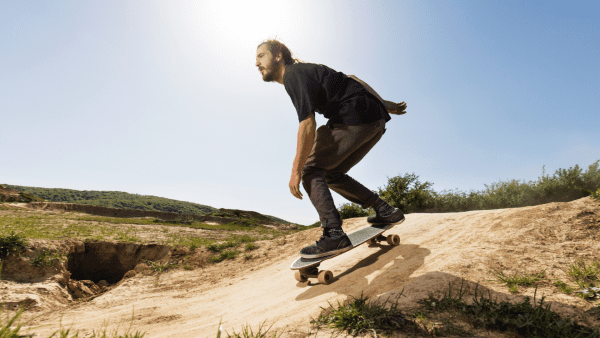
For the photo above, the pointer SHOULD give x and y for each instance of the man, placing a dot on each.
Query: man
(357, 117)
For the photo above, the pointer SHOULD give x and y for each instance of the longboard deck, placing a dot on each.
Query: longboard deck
(356, 238)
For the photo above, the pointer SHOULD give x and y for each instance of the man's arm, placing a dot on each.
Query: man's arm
(392, 108)
(306, 138)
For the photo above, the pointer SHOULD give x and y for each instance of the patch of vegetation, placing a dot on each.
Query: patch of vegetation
(523, 279)
(364, 316)
(7, 332)
(594, 194)
(583, 274)
(115, 199)
(251, 246)
(248, 333)
(11, 243)
(126, 236)
(351, 210)
(227, 254)
(123, 200)
(586, 277)
(523, 318)
(160, 266)
(563, 287)
(231, 243)
(47, 257)
(410, 195)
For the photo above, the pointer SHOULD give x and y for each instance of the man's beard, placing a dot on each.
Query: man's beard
(270, 73)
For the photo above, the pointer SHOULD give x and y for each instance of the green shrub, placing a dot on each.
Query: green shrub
(11, 243)
(351, 210)
(410, 195)
(407, 193)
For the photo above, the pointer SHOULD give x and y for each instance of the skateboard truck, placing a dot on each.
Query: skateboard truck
(324, 276)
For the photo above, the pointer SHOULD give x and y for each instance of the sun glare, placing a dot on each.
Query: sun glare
(240, 24)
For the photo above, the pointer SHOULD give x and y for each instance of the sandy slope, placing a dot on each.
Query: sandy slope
(435, 249)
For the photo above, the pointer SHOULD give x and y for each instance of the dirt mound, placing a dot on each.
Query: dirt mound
(435, 250)
(10, 195)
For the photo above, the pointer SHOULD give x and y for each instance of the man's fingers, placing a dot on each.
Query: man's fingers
(296, 192)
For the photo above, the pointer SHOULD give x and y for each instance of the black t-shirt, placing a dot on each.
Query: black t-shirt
(341, 99)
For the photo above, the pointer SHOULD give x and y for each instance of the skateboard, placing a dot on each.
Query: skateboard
(308, 267)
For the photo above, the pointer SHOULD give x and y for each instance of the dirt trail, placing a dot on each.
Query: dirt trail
(435, 249)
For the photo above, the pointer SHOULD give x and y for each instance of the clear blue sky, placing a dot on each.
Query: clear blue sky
(163, 98)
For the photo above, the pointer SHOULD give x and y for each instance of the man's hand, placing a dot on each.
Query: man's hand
(295, 185)
(395, 108)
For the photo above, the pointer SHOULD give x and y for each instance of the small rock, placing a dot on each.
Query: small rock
(102, 283)
(92, 286)
(74, 289)
(129, 274)
(141, 267)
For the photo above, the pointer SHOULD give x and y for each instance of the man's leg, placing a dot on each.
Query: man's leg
(336, 148)
(335, 152)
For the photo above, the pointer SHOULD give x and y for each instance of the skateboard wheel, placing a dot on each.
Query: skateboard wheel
(393, 240)
(372, 241)
(300, 277)
(325, 277)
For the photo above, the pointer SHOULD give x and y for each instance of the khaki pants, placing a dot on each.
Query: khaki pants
(338, 148)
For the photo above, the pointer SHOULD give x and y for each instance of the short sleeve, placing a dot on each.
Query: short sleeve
(304, 92)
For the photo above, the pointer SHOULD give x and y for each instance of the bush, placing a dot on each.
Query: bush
(11, 243)
(351, 210)
(407, 193)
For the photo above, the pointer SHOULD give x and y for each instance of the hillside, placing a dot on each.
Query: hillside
(123, 200)
(437, 250)
(10, 195)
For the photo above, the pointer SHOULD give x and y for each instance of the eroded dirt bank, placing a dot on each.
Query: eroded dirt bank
(435, 249)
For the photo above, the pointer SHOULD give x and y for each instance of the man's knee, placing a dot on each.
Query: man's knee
(308, 173)
(333, 177)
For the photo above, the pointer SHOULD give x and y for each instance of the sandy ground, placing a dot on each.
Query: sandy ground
(435, 249)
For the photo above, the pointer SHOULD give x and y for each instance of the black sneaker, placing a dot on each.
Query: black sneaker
(389, 215)
(326, 246)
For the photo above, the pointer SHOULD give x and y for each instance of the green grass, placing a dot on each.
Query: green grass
(10, 327)
(361, 316)
(160, 267)
(223, 255)
(438, 315)
(232, 243)
(523, 318)
(46, 258)
(522, 279)
(250, 246)
(563, 287)
(247, 332)
(583, 274)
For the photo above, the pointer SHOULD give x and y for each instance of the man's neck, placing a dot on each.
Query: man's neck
(281, 72)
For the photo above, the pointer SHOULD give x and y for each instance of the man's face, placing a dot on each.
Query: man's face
(266, 64)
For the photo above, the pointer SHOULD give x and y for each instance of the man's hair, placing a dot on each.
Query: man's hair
(276, 47)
